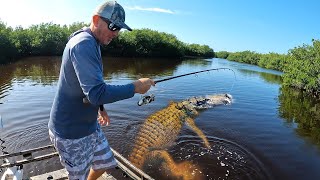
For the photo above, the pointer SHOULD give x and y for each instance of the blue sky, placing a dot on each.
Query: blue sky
(225, 25)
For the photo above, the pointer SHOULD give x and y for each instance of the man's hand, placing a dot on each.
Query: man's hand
(103, 118)
(143, 85)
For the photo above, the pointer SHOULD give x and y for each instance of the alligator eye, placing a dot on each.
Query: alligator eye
(199, 103)
(228, 96)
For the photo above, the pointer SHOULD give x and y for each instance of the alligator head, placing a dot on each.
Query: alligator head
(193, 104)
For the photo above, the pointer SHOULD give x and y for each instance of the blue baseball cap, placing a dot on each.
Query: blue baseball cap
(114, 12)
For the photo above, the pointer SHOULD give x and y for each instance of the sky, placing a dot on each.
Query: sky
(225, 25)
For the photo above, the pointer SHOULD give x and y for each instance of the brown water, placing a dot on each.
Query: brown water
(268, 132)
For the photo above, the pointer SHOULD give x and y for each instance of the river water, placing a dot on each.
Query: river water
(268, 132)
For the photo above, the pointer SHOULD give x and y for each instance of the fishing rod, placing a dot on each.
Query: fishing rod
(197, 72)
(149, 98)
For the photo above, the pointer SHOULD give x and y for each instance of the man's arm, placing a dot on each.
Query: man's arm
(88, 68)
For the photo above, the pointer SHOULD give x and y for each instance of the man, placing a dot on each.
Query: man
(73, 126)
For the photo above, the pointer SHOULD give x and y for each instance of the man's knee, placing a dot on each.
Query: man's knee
(95, 174)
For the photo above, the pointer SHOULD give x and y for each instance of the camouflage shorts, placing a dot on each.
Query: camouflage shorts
(79, 155)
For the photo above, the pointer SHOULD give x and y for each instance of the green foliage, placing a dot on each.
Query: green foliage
(75, 27)
(272, 61)
(22, 39)
(222, 54)
(42, 39)
(7, 49)
(303, 68)
(249, 57)
(50, 39)
(199, 50)
(151, 43)
(146, 43)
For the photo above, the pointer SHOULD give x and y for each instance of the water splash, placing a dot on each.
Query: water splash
(224, 160)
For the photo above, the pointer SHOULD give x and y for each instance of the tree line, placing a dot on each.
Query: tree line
(301, 65)
(50, 39)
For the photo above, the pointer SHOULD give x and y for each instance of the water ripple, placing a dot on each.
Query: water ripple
(225, 159)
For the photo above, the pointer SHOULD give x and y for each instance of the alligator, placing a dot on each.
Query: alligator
(163, 127)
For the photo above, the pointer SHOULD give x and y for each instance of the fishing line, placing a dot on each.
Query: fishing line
(149, 98)
(174, 77)
(1, 124)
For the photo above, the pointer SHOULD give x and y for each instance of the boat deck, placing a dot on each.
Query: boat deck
(125, 167)
(62, 174)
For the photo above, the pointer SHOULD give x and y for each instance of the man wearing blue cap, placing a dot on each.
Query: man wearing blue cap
(73, 125)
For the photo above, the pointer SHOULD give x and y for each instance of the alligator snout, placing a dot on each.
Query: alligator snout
(209, 101)
(228, 99)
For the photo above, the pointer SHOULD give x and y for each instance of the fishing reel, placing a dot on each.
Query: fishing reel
(146, 99)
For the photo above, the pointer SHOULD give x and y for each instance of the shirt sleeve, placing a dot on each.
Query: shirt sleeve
(88, 68)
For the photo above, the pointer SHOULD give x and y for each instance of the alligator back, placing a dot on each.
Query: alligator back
(160, 129)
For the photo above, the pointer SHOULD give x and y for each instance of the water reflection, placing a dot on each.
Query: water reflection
(153, 68)
(267, 77)
(136, 68)
(197, 62)
(38, 70)
(45, 70)
(6, 75)
(298, 107)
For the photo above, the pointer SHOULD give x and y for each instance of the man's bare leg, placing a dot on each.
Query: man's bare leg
(95, 174)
